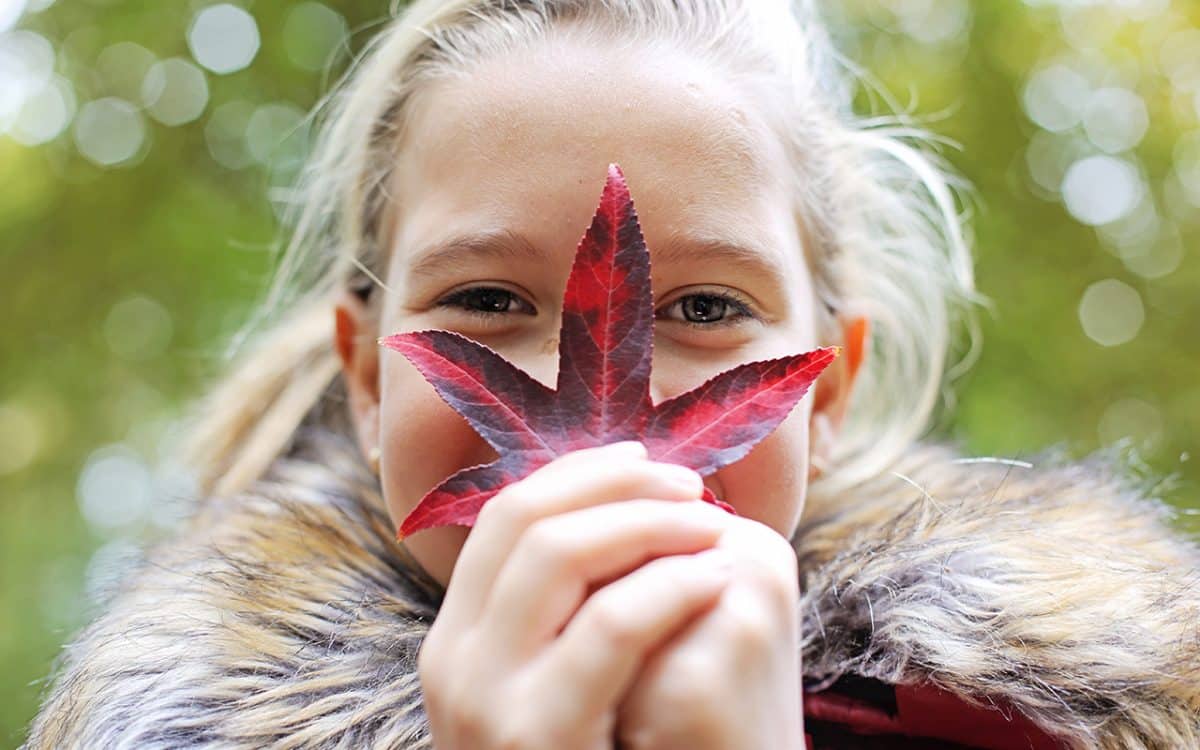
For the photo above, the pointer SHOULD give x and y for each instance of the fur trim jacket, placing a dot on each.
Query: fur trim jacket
(981, 603)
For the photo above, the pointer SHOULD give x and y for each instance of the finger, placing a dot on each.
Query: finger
(579, 479)
(557, 560)
(598, 656)
(765, 558)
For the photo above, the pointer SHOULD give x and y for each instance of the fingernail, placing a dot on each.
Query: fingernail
(628, 448)
(683, 477)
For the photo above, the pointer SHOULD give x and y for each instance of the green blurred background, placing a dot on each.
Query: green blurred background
(145, 148)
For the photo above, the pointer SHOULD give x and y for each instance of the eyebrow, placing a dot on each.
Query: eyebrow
(679, 249)
(503, 244)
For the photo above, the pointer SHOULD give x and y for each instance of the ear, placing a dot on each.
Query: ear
(355, 334)
(832, 395)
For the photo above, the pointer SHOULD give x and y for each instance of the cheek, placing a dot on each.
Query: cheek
(770, 483)
(423, 441)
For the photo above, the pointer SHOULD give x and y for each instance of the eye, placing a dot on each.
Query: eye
(710, 310)
(486, 302)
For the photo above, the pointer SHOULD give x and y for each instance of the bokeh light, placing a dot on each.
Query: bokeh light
(311, 34)
(1158, 258)
(1116, 119)
(109, 131)
(1048, 157)
(1055, 97)
(1111, 312)
(107, 567)
(1132, 418)
(175, 91)
(1101, 189)
(10, 13)
(225, 134)
(138, 328)
(122, 67)
(1133, 233)
(1187, 164)
(44, 114)
(35, 105)
(114, 489)
(28, 58)
(1179, 59)
(932, 21)
(149, 152)
(269, 128)
(21, 436)
(223, 38)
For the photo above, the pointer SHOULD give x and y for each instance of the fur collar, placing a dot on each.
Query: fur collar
(286, 616)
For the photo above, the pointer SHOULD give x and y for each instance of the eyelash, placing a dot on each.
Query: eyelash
(737, 304)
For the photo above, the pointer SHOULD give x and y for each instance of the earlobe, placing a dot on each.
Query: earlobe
(836, 383)
(833, 389)
(354, 340)
(820, 438)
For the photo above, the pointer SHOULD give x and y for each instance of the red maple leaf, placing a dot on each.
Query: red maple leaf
(603, 390)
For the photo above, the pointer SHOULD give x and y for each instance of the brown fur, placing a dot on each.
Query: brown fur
(287, 617)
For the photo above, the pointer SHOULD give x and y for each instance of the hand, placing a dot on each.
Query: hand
(523, 654)
(731, 679)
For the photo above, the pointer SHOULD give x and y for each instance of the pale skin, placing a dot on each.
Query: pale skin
(598, 603)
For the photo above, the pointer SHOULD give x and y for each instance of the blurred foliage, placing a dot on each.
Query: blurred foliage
(140, 158)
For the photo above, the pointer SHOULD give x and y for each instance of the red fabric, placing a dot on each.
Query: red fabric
(923, 712)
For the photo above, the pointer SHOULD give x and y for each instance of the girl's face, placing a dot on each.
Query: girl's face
(495, 184)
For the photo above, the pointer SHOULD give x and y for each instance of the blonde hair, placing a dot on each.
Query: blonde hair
(877, 209)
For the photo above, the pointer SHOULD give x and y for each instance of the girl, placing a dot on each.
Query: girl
(873, 590)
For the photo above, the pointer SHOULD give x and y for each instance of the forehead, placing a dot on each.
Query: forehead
(522, 143)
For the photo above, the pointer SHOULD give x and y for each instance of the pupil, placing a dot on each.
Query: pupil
(493, 300)
(699, 309)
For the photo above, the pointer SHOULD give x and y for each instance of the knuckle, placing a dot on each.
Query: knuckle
(515, 733)
(773, 564)
(427, 662)
(505, 736)
(434, 670)
(776, 547)
(780, 585)
(470, 719)
(650, 516)
(467, 707)
(430, 666)
(673, 573)
(518, 502)
(430, 677)
(694, 685)
(752, 628)
(548, 543)
(495, 507)
(608, 621)
(491, 508)
(783, 554)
